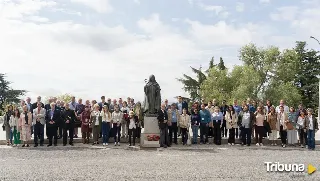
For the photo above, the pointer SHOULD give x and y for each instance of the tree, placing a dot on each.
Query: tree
(217, 85)
(7, 94)
(211, 65)
(221, 64)
(306, 78)
(191, 85)
(262, 60)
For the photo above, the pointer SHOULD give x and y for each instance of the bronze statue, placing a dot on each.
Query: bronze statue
(152, 97)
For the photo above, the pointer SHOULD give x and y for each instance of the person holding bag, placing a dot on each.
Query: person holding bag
(231, 124)
(184, 123)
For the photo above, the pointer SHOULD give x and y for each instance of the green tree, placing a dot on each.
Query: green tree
(263, 61)
(7, 94)
(217, 85)
(306, 78)
(66, 98)
(221, 64)
(211, 65)
(191, 85)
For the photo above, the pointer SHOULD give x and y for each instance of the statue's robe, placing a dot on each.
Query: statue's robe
(152, 102)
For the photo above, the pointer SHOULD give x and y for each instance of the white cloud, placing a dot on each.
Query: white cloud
(287, 13)
(264, 1)
(240, 7)
(101, 6)
(137, 1)
(216, 9)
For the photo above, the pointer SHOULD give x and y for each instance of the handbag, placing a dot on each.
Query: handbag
(290, 126)
(3, 127)
(267, 126)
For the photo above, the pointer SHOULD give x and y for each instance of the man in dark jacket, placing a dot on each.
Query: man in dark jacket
(223, 109)
(163, 119)
(68, 118)
(53, 117)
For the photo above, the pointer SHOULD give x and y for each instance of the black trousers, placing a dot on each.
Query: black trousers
(237, 132)
(52, 134)
(204, 133)
(132, 135)
(164, 136)
(173, 129)
(184, 135)
(283, 135)
(38, 133)
(246, 135)
(260, 131)
(138, 132)
(217, 132)
(224, 129)
(68, 127)
(60, 130)
(231, 138)
(303, 137)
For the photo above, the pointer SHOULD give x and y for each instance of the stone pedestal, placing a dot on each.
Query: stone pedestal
(151, 128)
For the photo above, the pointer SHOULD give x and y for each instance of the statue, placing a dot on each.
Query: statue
(152, 97)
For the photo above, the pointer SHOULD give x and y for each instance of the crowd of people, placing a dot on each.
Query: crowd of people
(124, 119)
(246, 121)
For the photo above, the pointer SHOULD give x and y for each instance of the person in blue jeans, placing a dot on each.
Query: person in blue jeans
(204, 124)
(195, 122)
(106, 125)
(311, 128)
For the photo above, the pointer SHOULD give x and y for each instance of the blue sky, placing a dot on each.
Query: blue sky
(108, 47)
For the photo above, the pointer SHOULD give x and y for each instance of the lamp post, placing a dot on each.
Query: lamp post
(319, 82)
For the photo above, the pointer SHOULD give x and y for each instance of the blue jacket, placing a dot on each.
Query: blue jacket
(205, 116)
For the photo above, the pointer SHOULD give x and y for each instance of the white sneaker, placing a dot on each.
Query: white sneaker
(118, 144)
(107, 144)
(284, 146)
(307, 146)
(232, 144)
(258, 144)
(261, 144)
(115, 143)
(104, 144)
(275, 144)
(229, 143)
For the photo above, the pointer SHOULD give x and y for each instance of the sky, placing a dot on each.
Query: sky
(91, 48)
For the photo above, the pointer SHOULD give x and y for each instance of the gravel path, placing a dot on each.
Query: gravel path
(205, 162)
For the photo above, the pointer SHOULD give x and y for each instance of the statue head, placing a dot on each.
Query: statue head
(152, 78)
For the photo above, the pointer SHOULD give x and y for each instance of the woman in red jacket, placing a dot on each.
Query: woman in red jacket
(85, 130)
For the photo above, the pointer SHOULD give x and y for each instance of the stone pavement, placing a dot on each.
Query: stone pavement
(205, 162)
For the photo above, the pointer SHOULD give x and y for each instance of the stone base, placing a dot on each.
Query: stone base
(151, 125)
(148, 144)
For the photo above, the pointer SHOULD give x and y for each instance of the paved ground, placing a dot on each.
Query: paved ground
(205, 162)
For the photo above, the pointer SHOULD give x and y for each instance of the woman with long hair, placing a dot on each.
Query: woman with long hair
(195, 123)
(6, 124)
(25, 122)
(125, 109)
(106, 124)
(259, 127)
(14, 122)
(217, 119)
(138, 112)
(274, 126)
(85, 119)
(231, 123)
(301, 128)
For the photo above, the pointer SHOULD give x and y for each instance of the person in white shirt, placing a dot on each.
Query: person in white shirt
(116, 117)
(133, 121)
(124, 122)
(283, 119)
(13, 122)
(184, 124)
(285, 107)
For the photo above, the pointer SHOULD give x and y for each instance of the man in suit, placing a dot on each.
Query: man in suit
(47, 106)
(163, 119)
(53, 117)
(68, 118)
(103, 102)
(35, 105)
(39, 115)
